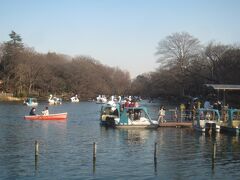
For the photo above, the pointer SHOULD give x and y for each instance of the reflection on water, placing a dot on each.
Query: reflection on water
(134, 136)
(66, 149)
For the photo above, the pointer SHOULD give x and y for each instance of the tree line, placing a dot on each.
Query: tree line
(185, 66)
(25, 72)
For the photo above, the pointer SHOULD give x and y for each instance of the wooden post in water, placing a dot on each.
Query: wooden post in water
(213, 154)
(155, 150)
(94, 156)
(155, 157)
(36, 148)
(36, 154)
(94, 150)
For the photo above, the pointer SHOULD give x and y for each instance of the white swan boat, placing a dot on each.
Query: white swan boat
(54, 100)
(74, 99)
(101, 99)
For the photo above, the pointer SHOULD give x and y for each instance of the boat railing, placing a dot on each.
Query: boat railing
(176, 115)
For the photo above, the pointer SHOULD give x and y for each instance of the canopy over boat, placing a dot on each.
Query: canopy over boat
(116, 116)
(60, 116)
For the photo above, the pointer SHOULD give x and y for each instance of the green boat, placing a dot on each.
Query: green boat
(231, 122)
(115, 115)
(207, 120)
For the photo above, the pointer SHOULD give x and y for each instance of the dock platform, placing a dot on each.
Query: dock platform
(175, 124)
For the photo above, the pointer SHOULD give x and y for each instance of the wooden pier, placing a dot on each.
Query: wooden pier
(175, 124)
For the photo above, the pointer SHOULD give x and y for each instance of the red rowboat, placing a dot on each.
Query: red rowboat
(60, 116)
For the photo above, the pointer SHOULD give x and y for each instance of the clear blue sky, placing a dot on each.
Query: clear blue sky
(122, 33)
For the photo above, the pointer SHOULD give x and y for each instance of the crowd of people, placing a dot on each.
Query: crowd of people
(188, 110)
(190, 107)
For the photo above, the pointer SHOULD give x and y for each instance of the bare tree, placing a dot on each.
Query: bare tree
(178, 50)
(213, 53)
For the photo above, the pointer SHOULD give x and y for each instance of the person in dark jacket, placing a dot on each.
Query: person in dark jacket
(33, 112)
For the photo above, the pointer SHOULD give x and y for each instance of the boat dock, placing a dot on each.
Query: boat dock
(175, 124)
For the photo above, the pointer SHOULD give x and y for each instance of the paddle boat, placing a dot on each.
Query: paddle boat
(74, 99)
(31, 102)
(101, 99)
(114, 115)
(231, 121)
(207, 120)
(52, 117)
(54, 100)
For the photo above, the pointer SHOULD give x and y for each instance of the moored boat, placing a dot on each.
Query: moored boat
(207, 120)
(231, 121)
(59, 116)
(129, 117)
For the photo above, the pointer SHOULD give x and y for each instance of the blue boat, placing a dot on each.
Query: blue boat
(207, 120)
(114, 115)
(231, 122)
(30, 102)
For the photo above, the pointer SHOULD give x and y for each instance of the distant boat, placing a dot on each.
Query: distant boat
(54, 100)
(130, 117)
(31, 102)
(101, 99)
(207, 120)
(52, 117)
(74, 99)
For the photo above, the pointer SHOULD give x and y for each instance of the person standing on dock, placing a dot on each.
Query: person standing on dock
(161, 114)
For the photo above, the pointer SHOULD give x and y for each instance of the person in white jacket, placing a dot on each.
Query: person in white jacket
(45, 112)
(161, 114)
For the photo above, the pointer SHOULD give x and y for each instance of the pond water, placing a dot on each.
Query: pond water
(66, 148)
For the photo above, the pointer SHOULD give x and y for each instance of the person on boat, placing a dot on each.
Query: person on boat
(45, 112)
(33, 112)
(161, 114)
(207, 104)
(126, 104)
(219, 106)
(132, 103)
(137, 114)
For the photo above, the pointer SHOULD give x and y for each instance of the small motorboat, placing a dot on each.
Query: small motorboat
(52, 117)
(30, 102)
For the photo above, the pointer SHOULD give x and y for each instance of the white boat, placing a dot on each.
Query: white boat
(30, 102)
(54, 100)
(74, 99)
(130, 117)
(101, 99)
(207, 120)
